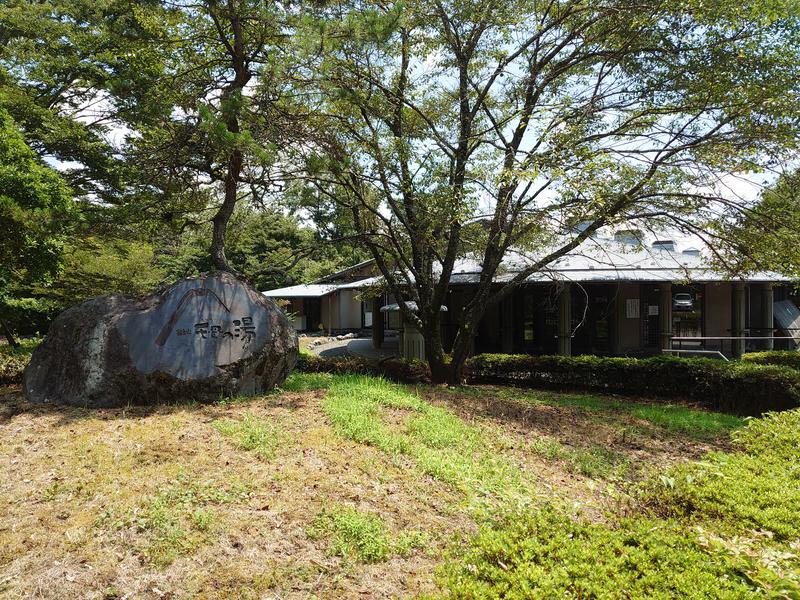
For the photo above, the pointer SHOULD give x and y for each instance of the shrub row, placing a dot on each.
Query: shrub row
(395, 369)
(741, 387)
(783, 358)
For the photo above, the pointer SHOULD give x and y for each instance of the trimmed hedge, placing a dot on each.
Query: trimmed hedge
(395, 369)
(742, 387)
(783, 358)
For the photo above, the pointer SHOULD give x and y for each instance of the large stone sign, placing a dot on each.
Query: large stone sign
(200, 339)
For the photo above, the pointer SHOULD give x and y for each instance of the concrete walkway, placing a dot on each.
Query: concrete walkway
(358, 347)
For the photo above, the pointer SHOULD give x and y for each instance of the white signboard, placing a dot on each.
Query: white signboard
(652, 310)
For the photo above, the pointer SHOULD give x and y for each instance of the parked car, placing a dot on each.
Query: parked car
(682, 301)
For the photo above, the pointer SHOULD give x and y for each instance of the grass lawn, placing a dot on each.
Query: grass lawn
(352, 487)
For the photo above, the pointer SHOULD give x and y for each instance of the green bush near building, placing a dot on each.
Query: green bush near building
(741, 388)
(783, 358)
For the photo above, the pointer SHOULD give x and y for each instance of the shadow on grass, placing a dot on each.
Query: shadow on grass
(14, 403)
(578, 414)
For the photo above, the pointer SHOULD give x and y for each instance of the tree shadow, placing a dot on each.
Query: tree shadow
(575, 424)
(335, 352)
(13, 403)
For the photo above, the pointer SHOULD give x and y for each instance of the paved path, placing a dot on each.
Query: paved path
(357, 347)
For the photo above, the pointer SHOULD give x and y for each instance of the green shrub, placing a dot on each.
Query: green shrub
(745, 492)
(755, 488)
(14, 360)
(776, 434)
(723, 527)
(544, 553)
(740, 388)
(783, 358)
(395, 369)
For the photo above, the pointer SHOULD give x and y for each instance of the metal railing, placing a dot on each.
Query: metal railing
(701, 340)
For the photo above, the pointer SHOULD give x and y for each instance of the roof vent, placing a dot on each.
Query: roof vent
(667, 245)
(691, 252)
(628, 236)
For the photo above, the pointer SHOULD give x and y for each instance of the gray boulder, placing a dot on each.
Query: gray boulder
(201, 339)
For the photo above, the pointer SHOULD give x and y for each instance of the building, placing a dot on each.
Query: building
(621, 293)
(332, 303)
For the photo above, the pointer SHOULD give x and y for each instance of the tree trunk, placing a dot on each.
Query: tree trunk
(230, 114)
(12, 341)
(461, 348)
(434, 352)
(225, 212)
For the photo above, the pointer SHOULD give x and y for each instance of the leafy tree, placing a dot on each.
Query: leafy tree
(530, 117)
(96, 266)
(166, 113)
(35, 209)
(209, 124)
(766, 236)
(60, 62)
(269, 248)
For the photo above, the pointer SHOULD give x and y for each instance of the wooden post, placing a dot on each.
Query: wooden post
(565, 321)
(330, 316)
(377, 324)
(665, 314)
(739, 318)
(767, 315)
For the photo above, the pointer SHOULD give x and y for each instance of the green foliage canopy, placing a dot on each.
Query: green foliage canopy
(35, 210)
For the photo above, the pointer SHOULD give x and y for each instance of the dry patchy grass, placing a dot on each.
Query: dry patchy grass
(265, 498)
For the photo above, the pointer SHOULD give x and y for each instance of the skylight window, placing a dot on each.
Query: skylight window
(628, 236)
(666, 245)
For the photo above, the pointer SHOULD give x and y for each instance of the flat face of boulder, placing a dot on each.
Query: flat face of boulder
(196, 329)
(200, 339)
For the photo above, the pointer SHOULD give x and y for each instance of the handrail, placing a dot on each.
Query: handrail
(740, 337)
(680, 341)
(704, 352)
